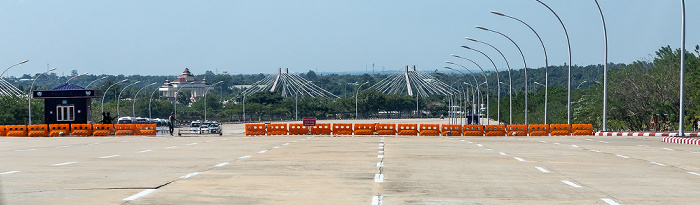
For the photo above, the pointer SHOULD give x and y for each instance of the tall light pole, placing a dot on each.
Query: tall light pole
(105, 94)
(205, 99)
(74, 77)
(133, 103)
(474, 77)
(498, 79)
(120, 96)
(88, 85)
(605, 70)
(568, 86)
(149, 102)
(510, 80)
(488, 122)
(472, 73)
(682, 94)
(23, 62)
(358, 93)
(29, 97)
(524, 63)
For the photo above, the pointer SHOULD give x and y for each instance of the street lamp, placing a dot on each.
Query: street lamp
(524, 63)
(205, 99)
(133, 104)
(358, 93)
(488, 122)
(105, 94)
(149, 102)
(120, 96)
(29, 97)
(23, 62)
(682, 92)
(510, 80)
(568, 87)
(74, 77)
(605, 69)
(498, 79)
(105, 77)
(473, 92)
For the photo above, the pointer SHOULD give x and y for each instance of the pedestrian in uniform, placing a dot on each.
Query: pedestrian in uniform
(172, 122)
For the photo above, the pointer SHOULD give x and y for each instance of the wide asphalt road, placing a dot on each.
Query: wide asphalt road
(234, 169)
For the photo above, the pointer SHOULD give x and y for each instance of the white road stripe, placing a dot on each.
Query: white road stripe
(380, 152)
(61, 164)
(642, 145)
(489, 149)
(244, 157)
(463, 140)
(588, 139)
(192, 143)
(380, 156)
(693, 173)
(542, 169)
(105, 157)
(145, 151)
(519, 159)
(285, 144)
(64, 146)
(571, 184)
(656, 163)
(96, 143)
(609, 201)
(190, 175)
(221, 165)
(377, 200)
(380, 164)
(623, 156)
(22, 150)
(479, 145)
(381, 147)
(294, 141)
(573, 145)
(543, 141)
(379, 178)
(556, 143)
(10, 172)
(669, 149)
(139, 195)
(502, 153)
(276, 147)
(260, 152)
(596, 151)
(171, 147)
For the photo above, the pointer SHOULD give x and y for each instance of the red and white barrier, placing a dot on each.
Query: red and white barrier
(645, 134)
(682, 140)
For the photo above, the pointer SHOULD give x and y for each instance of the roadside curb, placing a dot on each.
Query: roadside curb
(645, 134)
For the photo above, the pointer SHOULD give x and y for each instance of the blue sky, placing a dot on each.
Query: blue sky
(162, 37)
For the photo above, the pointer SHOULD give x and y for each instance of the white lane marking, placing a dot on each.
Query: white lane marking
(470, 142)
(623, 156)
(190, 175)
(105, 157)
(377, 200)
(192, 143)
(380, 156)
(171, 147)
(693, 173)
(489, 149)
(596, 151)
(380, 164)
(656, 163)
(64, 146)
(22, 150)
(381, 144)
(571, 184)
(294, 141)
(463, 140)
(542, 169)
(61, 164)
(556, 143)
(573, 145)
(642, 145)
(609, 201)
(244, 157)
(479, 145)
(260, 152)
(502, 153)
(379, 178)
(380, 152)
(381, 147)
(207, 141)
(96, 143)
(669, 149)
(221, 165)
(139, 195)
(588, 139)
(10, 172)
(145, 151)
(276, 147)
(543, 141)
(285, 144)
(519, 159)
(603, 142)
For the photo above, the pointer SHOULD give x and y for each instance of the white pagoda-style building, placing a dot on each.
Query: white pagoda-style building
(184, 82)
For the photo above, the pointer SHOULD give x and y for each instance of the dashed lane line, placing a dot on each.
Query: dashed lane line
(263, 151)
(519, 159)
(190, 175)
(694, 173)
(171, 147)
(139, 195)
(656, 163)
(623, 156)
(669, 149)
(245, 157)
(145, 151)
(65, 163)
(221, 165)
(609, 201)
(571, 184)
(106, 157)
(9, 172)
(542, 169)
(22, 150)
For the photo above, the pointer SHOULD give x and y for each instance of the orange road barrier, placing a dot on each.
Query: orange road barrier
(494, 130)
(364, 129)
(59, 130)
(407, 129)
(473, 130)
(451, 130)
(539, 130)
(101, 129)
(37, 130)
(145, 129)
(81, 130)
(517, 130)
(277, 129)
(342, 128)
(429, 130)
(582, 129)
(560, 129)
(16, 130)
(321, 129)
(386, 129)
(124, 129)
(3, 131)
(298, 129)
(254, 129)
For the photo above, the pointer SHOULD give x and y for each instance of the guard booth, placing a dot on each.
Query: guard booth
(67, 104)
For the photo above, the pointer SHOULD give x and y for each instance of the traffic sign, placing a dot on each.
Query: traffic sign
(309, 121)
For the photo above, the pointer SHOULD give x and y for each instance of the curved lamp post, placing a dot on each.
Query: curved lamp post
(149, 102)
(510, 80)
(29, 97)
(524, 63)
(23, 62)
(568, 87)
(205, 99)
(682, 92)
(105, 94)
(74, 77)
(546, 63)
(356, 94)
(133, 103)
(488, 122)
(498, 79)
(473, 92)
(605, 70)
(120, 96)
(88, 85)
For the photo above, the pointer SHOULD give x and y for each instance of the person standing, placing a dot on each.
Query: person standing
(172, 122)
